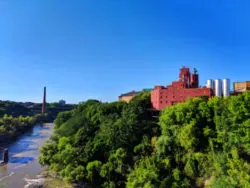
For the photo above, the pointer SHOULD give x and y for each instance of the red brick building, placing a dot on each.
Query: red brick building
(179, 91)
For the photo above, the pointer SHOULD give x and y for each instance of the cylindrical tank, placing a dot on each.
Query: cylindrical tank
(226, 87)
(210, 84)
(218, 87)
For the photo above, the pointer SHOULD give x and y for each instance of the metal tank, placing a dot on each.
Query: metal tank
(210, 84)
(218, 87)
(226, 87)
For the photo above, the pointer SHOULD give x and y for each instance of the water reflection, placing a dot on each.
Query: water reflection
(23, 154)
(21, 160)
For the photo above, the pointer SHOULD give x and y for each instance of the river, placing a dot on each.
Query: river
(23, 157)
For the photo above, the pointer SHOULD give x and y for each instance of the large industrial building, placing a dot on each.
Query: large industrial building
(179, 91)
(186, 87)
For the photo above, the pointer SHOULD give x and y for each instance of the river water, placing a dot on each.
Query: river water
(23, 157)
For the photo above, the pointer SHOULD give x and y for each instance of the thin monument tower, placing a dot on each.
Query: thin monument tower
(44, 100)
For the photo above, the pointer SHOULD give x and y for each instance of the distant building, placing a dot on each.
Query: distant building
(179, 91)
(128, 96)
(241, 86)
(63, 102)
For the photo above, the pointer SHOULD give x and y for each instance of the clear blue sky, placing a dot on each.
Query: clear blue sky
(83, 49)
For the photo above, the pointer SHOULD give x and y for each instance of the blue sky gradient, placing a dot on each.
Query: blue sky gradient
(85, 49)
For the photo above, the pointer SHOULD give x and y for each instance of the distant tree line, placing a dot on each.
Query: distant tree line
(198, 143)
(14, 109)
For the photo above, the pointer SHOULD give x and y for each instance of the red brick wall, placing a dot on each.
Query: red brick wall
(161, 98)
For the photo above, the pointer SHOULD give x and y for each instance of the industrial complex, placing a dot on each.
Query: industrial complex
(188, 87)
(179, 91)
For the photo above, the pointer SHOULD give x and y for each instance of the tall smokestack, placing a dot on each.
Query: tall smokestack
(44, 100)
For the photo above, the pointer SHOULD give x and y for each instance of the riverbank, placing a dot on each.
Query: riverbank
(43, 181)
(48, 179)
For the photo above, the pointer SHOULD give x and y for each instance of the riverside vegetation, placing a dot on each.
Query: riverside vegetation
(16, 119)
(11, 127)
(199, 143)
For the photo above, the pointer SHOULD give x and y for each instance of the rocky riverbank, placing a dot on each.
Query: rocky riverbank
(47, 180)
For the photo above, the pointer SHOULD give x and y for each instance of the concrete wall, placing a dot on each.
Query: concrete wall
(161, 98)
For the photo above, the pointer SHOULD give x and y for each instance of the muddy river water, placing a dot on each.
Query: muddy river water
(23, 163)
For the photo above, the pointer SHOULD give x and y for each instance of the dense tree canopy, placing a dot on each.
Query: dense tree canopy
(194, 144)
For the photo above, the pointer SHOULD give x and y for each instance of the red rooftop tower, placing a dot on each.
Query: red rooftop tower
(184, 76)
(194, 79)
(44, 100)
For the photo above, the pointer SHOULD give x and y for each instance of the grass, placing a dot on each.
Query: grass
(56, 183)
(51, 181)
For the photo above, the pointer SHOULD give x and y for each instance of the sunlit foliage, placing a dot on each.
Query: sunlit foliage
(194, 144)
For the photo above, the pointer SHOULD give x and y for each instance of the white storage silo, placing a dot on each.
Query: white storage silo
(218, 87)
(226, 87)
(210, 84)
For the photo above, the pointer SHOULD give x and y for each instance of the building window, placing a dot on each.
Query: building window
(161, 102)
(166, 102)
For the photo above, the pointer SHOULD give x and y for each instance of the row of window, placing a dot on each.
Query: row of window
(185, 94)
(175, 97)
(162, 102)
(167, 102)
